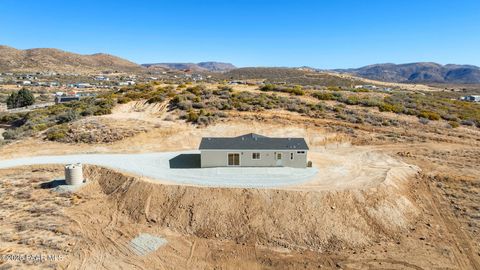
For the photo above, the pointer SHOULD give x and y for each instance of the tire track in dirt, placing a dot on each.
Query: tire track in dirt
(466, 259)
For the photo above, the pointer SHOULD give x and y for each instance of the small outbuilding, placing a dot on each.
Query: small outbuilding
(253, 150)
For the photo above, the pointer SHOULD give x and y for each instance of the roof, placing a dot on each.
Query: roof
(252, 141)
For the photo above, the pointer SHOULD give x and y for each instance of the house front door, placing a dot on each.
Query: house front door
(278, 157)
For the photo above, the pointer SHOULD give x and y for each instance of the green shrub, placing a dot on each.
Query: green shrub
(429, 115)
(323, 96)
(21, 98)
(156, 99)
(56, 133)
(454, 124)
(268, 87)
(123, 100)
(192, 116)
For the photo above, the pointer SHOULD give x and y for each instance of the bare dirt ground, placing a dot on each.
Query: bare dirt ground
(425, 221)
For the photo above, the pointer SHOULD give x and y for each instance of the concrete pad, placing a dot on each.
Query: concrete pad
(145, 243)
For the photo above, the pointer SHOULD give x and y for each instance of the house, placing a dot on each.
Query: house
(101, 78)
(83, 85)
(253, 150)
(66, 98)
(471, 98)
(127, 83)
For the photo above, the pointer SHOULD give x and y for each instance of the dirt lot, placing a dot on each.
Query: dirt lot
(427, 220)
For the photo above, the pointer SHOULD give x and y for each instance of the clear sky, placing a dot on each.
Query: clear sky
(323, 34)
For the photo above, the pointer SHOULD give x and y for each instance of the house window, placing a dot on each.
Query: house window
(301, 152)
(279, 156)
(291, 155)
(234, 159)
(255, 155)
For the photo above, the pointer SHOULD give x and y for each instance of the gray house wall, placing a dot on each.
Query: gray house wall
(219, 158)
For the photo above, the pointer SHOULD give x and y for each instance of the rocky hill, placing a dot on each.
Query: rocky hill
(423, 72)
(302, 76)
(46, 59)
(199, 67)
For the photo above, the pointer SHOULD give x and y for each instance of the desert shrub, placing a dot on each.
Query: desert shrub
(68, 116)
(295, 90)
(467, 122)
(221, 114)
(429, 115)
(56, 133)
(40, 119)
(185, 105)
(197, 89)
(334, 88)
(156, 99)
(359, 90)
(198, 105)
(449, 117)
(206, 120)
(267, 87)
(225, 88)
(123, 100)
(453, 124)
(11, 118)
(192, 116)
(12, 134)
(388, 107)
(323, 96)
(423, 120)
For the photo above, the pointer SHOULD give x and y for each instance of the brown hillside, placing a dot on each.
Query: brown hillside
(46, 59)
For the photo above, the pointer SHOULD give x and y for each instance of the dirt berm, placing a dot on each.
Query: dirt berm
(315, 220)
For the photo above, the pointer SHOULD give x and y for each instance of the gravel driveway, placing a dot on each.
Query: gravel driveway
(178, 167)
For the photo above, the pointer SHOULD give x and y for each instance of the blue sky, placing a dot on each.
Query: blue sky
(323, 34)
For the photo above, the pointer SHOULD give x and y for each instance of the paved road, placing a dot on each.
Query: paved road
(178, 167)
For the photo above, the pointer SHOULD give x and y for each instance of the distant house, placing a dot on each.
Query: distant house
(66, 98)
(82, 85)
(253, 150)
(127, 83)
(366, 86)
(471, 98)
(101, 78)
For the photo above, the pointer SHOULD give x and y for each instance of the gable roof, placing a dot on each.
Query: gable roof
(252, 141)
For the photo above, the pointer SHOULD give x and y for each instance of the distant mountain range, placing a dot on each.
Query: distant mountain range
(199, 67)
(423, 72)
(45, 59)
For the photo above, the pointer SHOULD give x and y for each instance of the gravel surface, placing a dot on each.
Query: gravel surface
(157, 166)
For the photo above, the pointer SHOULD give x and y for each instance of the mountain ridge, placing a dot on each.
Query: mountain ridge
(208, 66)
(56, 60)
(418, 72)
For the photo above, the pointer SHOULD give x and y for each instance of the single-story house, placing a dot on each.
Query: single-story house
(471, 98)
(253, 150)
(66, 98)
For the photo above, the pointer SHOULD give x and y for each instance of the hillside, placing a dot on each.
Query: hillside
(46, 59)
(419, 73)
(289, 75)
(199, 67)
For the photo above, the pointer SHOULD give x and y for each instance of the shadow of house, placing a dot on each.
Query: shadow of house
(185, 161)
(53, 184)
